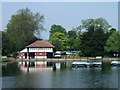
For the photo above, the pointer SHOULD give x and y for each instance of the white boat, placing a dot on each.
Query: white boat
(97, 64)
(86, 64)
(115, 63)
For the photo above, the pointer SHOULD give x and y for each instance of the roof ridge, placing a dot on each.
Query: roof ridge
(40, 43)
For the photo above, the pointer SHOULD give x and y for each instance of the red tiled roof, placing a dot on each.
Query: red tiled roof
(40, 43)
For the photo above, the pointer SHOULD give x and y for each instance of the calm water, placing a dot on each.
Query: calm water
(63, 76)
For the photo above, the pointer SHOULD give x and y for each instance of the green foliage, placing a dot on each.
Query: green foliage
(74, 40)
(4, 59)
(99, 23)
(92, 43)
(60, 41)
(5, 44)
(113, 43)
(22, 27)
(77, 43)
(72, 33)
(94, 39)
(57, 28)
(110, 32)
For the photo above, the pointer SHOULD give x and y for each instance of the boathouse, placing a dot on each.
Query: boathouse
(38, 50)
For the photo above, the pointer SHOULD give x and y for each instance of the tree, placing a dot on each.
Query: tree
(93, 42)
(113, 43)
(110, 32)
(5, 44)
(57, 28)
(60, 41)
(75, 38)
(72, 33)
(77, 43)
(93, 36)
(99, 23)
(22, 28)
(72, 39)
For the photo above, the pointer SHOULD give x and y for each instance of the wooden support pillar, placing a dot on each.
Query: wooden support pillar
(53, 54)
(28, 56)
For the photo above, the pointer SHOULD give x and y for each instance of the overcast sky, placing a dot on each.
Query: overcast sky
(66, 14)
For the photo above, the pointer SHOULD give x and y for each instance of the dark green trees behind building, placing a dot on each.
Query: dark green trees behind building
(72, 40)
(94, 37)
(59, 37)
(93, 42)
(60, 41)
(21, 30)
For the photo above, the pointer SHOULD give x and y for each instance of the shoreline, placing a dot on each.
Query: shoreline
(62, 60)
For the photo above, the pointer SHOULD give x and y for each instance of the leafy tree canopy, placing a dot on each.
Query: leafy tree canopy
(21, 28)
(72, 36)
(60, 41)
(5, 44)
(113, 43)
(93, 42)
(92, 36)
(99, 23)
(57, 28)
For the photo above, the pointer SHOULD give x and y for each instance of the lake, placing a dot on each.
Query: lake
(58, 75)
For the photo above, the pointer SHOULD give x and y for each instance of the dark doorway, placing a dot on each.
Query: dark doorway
(32, 55)
(49, 55)
(25, 55)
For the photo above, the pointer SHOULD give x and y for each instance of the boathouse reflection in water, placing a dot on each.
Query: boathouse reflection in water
(40, 65)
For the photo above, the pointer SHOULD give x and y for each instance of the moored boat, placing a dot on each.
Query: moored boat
(79, 64)
(97, 64)
(86, 64)
(115, 63)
